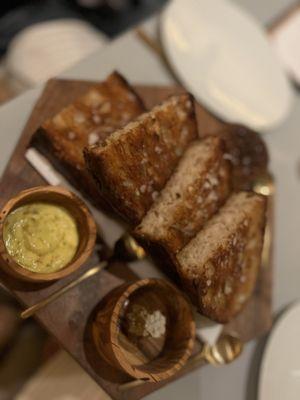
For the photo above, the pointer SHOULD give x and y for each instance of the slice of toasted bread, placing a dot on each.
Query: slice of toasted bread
(134, 163)
(196, 190)
(247, 152)
(218, 268)
(105, 107)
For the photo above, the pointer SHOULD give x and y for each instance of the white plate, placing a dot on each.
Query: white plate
(280, 370)
(45, 49)
(285, 41)
(223, 57)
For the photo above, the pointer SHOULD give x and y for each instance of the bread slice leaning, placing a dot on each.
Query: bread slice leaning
(134, 163)
(105, 107)
(196, 190)
(218, 268)
(247, 154)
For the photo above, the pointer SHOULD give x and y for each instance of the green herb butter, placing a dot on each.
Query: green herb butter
(41, 237)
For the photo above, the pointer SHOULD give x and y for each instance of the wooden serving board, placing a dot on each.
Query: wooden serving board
(68, 318)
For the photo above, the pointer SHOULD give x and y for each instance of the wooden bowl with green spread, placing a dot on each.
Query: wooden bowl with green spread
(46, 233)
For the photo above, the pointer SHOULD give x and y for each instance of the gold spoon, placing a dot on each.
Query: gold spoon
(126, 249)
(55, 295)
(226, 350)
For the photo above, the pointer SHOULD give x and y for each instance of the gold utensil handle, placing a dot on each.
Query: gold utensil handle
(265, 186)
(151, 43)
(33, 309)
(155, 46)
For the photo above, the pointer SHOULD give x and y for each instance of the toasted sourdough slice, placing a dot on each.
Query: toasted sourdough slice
(195, 191)
(103, 109)
(134, 163)
(247, 152)
(218, 268)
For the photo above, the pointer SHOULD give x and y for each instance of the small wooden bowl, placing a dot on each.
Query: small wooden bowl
(79, 211)
(149, 361)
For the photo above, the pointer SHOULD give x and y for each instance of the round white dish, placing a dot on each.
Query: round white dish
(280, 369)
(45, 49)
(222, 56)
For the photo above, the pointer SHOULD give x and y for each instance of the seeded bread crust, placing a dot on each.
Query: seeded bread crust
(133, 164)
(247, 153)
(218, 268)
(195, 191)
(104, 108)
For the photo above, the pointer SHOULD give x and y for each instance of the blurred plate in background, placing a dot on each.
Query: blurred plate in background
(43, 50)
(223, 57)
(280, 370)
(285, 40)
